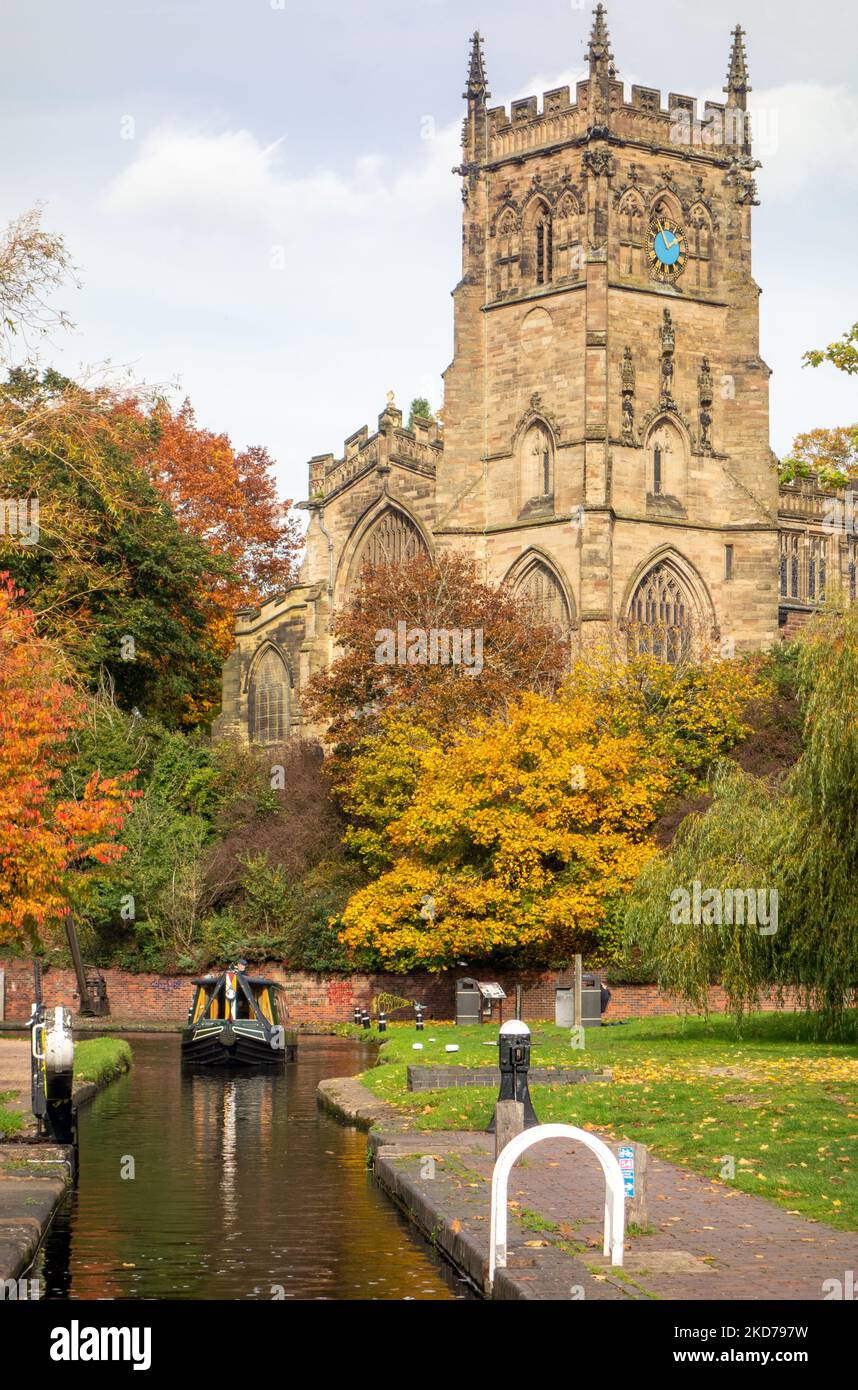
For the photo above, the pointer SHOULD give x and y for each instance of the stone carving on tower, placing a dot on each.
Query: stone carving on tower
(704, 397)
(627, 378)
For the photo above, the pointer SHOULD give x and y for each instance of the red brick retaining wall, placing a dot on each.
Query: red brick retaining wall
(326, 998)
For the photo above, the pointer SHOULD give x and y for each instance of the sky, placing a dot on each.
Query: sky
(259, 199)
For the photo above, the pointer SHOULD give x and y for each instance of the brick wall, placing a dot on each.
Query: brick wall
(314, 999)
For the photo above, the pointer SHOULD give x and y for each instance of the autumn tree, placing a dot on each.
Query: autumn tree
(519, 651)
(227, 499)
(842, 354)
(33, 263)
(517, 835)
(47, 840)
(514, 839)
(110, 574)
(829, 454)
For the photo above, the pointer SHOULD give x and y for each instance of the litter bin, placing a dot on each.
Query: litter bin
(591, 1001)
(564, 1007)
(476, 999)
(468, 1002)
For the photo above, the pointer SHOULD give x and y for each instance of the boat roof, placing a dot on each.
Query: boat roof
(251, 979)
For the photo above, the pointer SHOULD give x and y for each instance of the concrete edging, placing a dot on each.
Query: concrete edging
(435, 1208)
(30, 1191)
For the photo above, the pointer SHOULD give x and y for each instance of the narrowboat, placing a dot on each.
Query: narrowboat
(237, 1020)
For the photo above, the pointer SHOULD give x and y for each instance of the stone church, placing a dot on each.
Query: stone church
(605, 444)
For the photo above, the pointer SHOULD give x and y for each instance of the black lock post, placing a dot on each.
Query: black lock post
(382, 1021)
(514, 1062)
(418, 1017)
(358, 1015)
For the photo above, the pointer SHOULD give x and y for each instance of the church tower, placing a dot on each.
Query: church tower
(606, 423)
(606, 436)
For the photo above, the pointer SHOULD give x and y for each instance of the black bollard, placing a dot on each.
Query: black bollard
(514, 1062)
(418, 1017)
(365, 1019)
(357, 1018)
(382, 1021)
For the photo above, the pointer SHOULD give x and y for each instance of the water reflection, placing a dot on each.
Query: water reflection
(242, 1188)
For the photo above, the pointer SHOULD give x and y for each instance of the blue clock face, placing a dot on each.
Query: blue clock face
(668, 249)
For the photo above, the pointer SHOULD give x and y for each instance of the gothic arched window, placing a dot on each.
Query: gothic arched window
(543, 591)
(537, 468)
(507, 252)
(568, 250)
(700, 246)
(392, 540)
(539, 242)
(666, 461)
(661, 616)
(631, 221)
(268, 711)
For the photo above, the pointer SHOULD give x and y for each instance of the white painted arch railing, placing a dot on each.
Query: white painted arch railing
(614, 1190)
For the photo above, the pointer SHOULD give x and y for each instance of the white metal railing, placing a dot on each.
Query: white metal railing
(614, 1190)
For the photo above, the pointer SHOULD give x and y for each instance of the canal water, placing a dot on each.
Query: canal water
(196, 1186)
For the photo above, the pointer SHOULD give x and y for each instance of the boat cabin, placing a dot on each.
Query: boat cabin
(236, 995)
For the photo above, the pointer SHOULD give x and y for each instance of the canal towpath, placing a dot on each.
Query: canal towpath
(34, 1176)
(704, 1241)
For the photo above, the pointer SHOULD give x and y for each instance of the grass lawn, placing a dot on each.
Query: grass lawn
(97, 1059)
(768, 1111)
(10, 1120)
(100, 1060)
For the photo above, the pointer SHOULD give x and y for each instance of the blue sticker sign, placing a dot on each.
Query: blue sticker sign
(626, 1158)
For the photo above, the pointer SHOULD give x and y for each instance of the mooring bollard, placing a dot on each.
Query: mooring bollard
(514, 1062)
(365, 1019)
(382, 1021)
(418, 1017)
(357, 1017)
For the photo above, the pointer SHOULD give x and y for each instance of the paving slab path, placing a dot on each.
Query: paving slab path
(705, 1240)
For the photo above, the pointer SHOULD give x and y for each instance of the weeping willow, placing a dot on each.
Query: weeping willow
(797, 837)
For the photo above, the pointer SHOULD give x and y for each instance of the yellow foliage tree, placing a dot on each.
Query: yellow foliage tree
(516, 835)
(512, 840)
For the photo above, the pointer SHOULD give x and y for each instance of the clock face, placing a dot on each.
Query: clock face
(668, 249)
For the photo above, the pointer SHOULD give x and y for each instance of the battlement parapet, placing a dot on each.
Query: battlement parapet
(391, 443)
(528, 126)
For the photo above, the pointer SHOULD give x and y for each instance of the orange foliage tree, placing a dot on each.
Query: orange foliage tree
(46, 841)
(832, 454)
(228, 500)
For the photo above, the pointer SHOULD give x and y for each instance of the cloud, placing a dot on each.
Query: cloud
(804, 132)
(192, 175)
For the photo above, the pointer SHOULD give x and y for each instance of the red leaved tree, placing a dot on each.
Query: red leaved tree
(518, 651)
(46, 841)
(228, 500)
